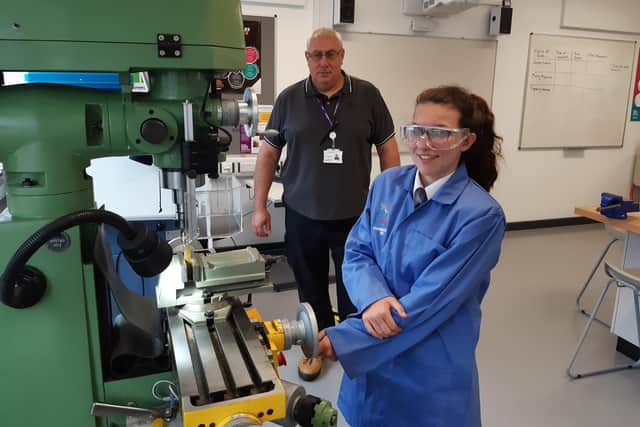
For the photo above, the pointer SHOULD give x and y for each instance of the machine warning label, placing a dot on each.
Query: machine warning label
(59, 243)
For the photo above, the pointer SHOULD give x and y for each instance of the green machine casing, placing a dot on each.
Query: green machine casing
(52, 355)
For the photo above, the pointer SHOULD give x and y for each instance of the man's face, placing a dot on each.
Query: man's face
(324, 58)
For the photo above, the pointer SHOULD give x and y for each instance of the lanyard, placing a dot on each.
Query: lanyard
(331, 121)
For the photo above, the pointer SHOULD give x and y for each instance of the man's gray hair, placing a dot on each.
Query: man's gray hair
(324, 32)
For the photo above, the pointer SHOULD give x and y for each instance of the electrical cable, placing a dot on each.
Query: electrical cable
(218, 128)
(19, 259)
(21, 286)
(172, 395)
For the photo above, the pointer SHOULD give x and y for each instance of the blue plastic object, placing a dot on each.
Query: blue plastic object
(103, 81)
(613, 206)
(608, 199)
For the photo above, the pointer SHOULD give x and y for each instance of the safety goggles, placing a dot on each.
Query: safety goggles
(436, 138)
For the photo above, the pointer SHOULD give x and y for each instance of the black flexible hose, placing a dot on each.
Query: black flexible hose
(17, 263)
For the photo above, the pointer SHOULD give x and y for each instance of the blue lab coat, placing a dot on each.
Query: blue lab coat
(436, 260)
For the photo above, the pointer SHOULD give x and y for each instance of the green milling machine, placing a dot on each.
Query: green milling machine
(58, 338)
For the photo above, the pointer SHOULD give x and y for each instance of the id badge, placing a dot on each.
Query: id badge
(333, 156)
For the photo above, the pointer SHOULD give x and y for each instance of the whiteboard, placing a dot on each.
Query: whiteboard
(577, 92)
(402, 66)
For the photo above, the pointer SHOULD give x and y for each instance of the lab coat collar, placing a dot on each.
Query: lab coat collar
(432, 188)
(450, 190)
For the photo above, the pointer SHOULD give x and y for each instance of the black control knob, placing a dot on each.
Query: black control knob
(154, 131)
(27, 290)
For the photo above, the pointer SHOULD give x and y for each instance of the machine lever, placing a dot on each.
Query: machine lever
(109, 410)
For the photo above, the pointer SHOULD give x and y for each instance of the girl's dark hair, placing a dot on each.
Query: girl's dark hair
(475, 114)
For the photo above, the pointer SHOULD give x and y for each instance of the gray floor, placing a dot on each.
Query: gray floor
(530, 328)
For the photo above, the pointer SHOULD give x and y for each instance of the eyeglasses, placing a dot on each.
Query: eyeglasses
(317, 55)
(436, 138)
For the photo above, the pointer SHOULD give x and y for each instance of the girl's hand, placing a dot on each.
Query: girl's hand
(378, 319)
(325, 347)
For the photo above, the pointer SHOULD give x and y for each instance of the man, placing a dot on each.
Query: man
(328, 122)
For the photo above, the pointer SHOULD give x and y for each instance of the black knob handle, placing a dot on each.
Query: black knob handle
(154, 131)
(27, 290)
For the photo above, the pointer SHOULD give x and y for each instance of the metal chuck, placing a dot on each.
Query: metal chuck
(303, 331)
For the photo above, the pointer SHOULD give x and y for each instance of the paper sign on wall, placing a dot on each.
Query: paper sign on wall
(635, 105)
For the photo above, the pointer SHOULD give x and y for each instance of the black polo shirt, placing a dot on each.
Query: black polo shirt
(311, 187)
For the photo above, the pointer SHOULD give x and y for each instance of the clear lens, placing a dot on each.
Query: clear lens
(436, 138)
(317, 55)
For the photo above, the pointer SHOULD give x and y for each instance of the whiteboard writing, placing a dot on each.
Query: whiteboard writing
(576, 92)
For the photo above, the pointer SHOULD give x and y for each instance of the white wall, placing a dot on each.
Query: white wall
(292, 27)
(533, 185)
(549, 183)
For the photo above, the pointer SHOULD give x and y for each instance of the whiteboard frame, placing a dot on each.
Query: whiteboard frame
(575, 147)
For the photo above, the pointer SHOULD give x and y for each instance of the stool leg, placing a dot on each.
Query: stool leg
(636, 305)
(586, 284)
(586, 331)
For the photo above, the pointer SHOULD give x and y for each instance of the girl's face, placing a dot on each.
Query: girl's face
(435, 164)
